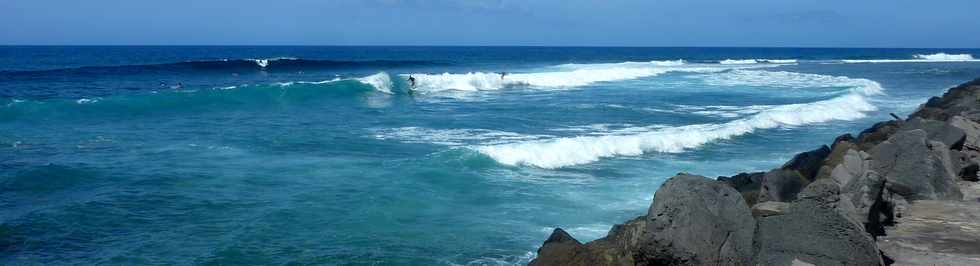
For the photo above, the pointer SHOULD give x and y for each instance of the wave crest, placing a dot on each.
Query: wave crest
(562, 152)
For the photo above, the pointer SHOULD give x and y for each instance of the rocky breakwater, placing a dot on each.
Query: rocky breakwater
(902, 192)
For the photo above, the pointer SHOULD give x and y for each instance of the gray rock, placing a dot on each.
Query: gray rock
(970, 129)
(770, 208)
(946, 133)
(914, 167)
(937, 232)
(960, 100)
(781, 185)
(815, 233)
(841, 145)
(876, 134)
(693, 221)
(562, 249)
(697, 221)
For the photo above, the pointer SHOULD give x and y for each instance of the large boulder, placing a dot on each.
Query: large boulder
(915, 167)
(697, 221)
(814, 232)
(940, 131)
(692, 221)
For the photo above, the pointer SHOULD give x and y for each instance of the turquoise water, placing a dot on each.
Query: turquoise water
(327, 155)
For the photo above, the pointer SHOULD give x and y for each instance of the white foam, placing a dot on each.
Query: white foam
(738, 62)
(756, 61)
(666, 63)
(560, 76)
(264, 62)
(921, 58)
(86, 101)
(728, 111)
(453, 137)
(479, 81)
(561, 152)
(380, 81)
(502, 260)
(784, 79)
(945, 57)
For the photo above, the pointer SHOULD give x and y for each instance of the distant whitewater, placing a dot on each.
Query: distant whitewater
(922, 58)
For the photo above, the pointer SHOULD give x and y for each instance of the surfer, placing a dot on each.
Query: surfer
(411, 81)
(502, 74)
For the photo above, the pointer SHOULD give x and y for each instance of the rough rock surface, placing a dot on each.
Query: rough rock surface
(770, 208)
(971, 131)
(697, 221)
(781, 185)
(937, 232)
(915, 167)
(693, 221)
(961, 100)
(814, 232)
(940, 131)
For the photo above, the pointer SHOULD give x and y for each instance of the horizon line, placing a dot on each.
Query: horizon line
(468, 45)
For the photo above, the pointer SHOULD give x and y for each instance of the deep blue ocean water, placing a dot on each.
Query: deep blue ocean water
(328, 155)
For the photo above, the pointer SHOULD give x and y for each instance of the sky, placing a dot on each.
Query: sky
(759, 23)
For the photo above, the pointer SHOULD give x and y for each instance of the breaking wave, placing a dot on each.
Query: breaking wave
(568, 151)
(921, 58)
(561, 76)
(756, 61)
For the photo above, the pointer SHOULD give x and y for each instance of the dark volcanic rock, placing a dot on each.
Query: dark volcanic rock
(946, 133)
(915, 167)
(807, 164)
(697, 221)
(814, 232)
(877, 134)
(781, 185)
(961, 100)
(693, 221)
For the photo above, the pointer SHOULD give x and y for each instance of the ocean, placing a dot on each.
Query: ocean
(304, 155)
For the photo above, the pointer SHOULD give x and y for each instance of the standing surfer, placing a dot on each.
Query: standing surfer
(411, 81)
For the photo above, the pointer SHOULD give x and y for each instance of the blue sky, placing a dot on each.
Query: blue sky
(834, 23)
